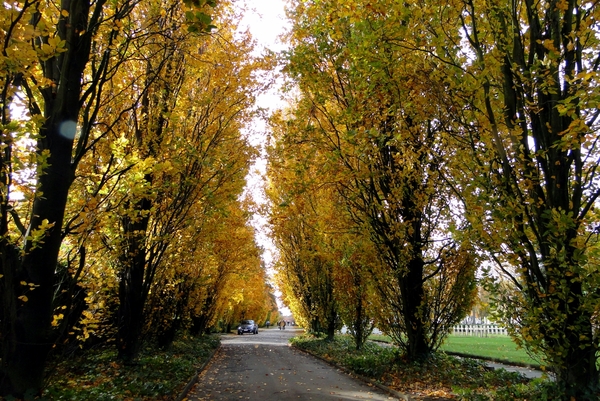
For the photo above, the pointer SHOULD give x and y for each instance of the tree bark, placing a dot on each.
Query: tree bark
(411, 288)
(132, 293)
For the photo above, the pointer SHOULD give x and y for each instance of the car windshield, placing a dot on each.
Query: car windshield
(247, 321)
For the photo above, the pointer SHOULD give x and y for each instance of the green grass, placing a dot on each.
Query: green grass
(496, 347)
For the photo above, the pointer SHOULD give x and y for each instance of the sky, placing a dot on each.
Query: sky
(265, 19)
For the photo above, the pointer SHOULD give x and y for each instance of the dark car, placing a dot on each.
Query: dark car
(247, 326)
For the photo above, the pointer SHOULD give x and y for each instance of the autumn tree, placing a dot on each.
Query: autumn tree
(370, 106)
(525, 77)
(308, 213)
(185, 156)
(57, 60)
(161, 58)
(302, 225)
(229, 272)
(522, 79)
(47, 50)
(355, 291)
(305, 273)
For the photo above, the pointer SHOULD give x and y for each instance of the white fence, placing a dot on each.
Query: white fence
(479, 330)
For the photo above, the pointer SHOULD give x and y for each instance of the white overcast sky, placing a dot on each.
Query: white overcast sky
(266, 21)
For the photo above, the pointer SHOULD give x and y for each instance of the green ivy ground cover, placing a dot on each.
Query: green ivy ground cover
(96, 375)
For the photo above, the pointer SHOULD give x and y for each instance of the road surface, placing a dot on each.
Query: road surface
(264, 367)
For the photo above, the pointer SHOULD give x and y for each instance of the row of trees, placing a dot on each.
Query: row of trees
(122, 170)
(424, 139)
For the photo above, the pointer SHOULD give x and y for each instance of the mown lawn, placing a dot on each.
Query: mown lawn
(96, 375)
(497, 347)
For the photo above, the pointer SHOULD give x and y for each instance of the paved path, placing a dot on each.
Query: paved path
(527, 372)
(264, 367)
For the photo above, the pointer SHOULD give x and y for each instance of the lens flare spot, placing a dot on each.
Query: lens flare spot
(68, 129)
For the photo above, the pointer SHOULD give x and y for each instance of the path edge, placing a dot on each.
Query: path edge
(196, 375)
(499, 360)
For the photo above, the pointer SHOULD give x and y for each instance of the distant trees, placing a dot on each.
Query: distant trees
(299, 217)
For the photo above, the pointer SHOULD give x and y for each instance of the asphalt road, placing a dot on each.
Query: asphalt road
(264, 367)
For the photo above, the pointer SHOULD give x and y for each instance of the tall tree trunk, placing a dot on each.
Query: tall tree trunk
(359, 337)
(580, 371)
(32, 330)
(411, 286)
(167, 334)
(132, 292)
(412, 293)
(332, 314)
(331, 327)
(201, 321)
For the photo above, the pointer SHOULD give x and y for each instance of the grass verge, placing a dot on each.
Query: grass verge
(500, 348)
(157, 375)
(441, 376)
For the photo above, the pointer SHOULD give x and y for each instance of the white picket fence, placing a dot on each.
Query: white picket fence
(479, 330)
